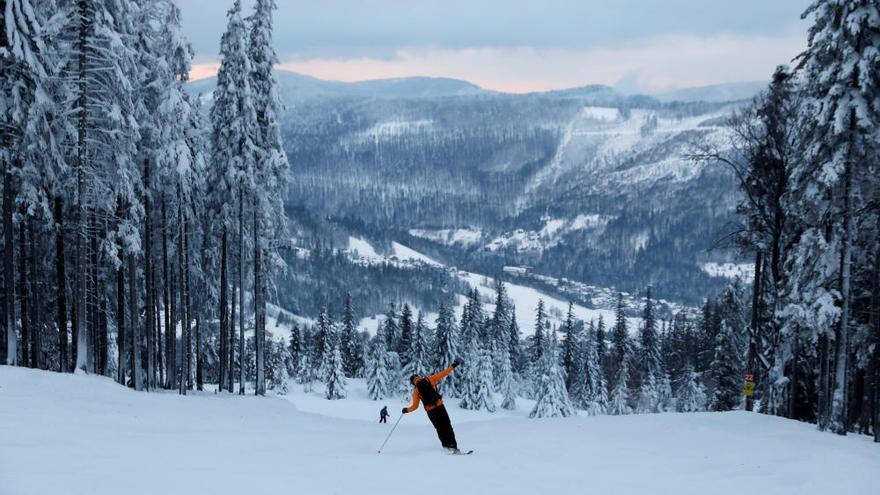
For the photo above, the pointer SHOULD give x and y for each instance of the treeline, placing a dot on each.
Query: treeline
(316, 276)
(692, 362)
(129, 222)
(806, 154)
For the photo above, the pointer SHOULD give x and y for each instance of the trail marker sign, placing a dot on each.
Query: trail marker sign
(749, 385)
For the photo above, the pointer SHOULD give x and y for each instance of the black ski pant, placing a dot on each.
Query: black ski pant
(440, 419)
(383, 419)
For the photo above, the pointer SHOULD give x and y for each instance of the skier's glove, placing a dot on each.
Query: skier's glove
(456, 363)
(404, 411)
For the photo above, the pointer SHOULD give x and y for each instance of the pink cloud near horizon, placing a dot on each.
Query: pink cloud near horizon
(657, 64)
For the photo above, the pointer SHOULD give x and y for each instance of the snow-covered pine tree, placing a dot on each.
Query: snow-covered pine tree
(377, 373)
(277, 359)
(497, 331)
(570, 344)
(595, 399)
(325, 338)
(581, 382)
(833, 186)
(234, 123)
(471, 349)
(516, 354)
(334, 376)
(479, 382)
(726, 370)
(22, 75)
(666, 400)
(101, 67)
(619, 401)
(650, 360)
(507, 380)
(351, 351)
(690, 396)
(601, 344)
(446, 347)
(551, 397)
(419, 355)
(538, 339)
(270, 168)
(406, 330)
(390, 329)
(294, 350)
(619, 339)
(649, 396)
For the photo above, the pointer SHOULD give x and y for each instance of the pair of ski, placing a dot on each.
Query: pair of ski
(458, 452)
(461, 452)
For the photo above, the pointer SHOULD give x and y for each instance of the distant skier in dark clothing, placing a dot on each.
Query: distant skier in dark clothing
(426, 391)
(383, 415)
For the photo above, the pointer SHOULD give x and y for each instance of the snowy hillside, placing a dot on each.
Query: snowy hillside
(590, 185)
(81, 435)
(524, 298)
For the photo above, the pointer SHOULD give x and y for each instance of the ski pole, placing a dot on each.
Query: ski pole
(389, 433)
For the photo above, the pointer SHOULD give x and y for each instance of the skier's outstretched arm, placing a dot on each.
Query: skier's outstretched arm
(415, 403)
(441, 375)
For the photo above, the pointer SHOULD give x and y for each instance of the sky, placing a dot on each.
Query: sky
(518, 46)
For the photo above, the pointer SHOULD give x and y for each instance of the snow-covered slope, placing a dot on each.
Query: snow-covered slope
(85, 435)
(524, 298)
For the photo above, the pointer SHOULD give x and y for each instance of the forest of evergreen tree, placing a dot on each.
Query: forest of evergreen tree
(143, 238)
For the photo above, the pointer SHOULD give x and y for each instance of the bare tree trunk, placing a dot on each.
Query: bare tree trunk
(160, 336)
(199, 381)
(259, 309)
(149, 324)
(232, 339)
(874, 401)
(241, 346)
(80, 292)
(121, 337)
(794, 383)
(24, 298)
(224, 312)
(841, 353)
(168, 306)
(187, 308)
(187, 305)
(36, 320)
(60, 285)
(11, 347)
(135, 327)
(103, 350)
(183, 307)
(824, 382)
(92, 295)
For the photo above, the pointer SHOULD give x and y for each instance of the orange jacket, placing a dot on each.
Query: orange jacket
(434, 379)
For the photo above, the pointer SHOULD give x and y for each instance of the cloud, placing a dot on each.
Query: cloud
(656, 64)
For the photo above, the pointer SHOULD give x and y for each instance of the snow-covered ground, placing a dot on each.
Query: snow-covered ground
(358, 405)
(744, 271)
(449, 237)
(86, 435)
(524, 298)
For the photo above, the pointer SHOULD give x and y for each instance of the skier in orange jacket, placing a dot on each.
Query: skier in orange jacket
(425, 391)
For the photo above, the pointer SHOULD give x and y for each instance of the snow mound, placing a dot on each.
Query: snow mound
(86, 435)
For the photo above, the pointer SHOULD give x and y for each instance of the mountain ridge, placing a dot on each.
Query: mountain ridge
(296, 86)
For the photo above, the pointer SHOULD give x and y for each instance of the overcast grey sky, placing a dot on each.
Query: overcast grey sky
(513, 45)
